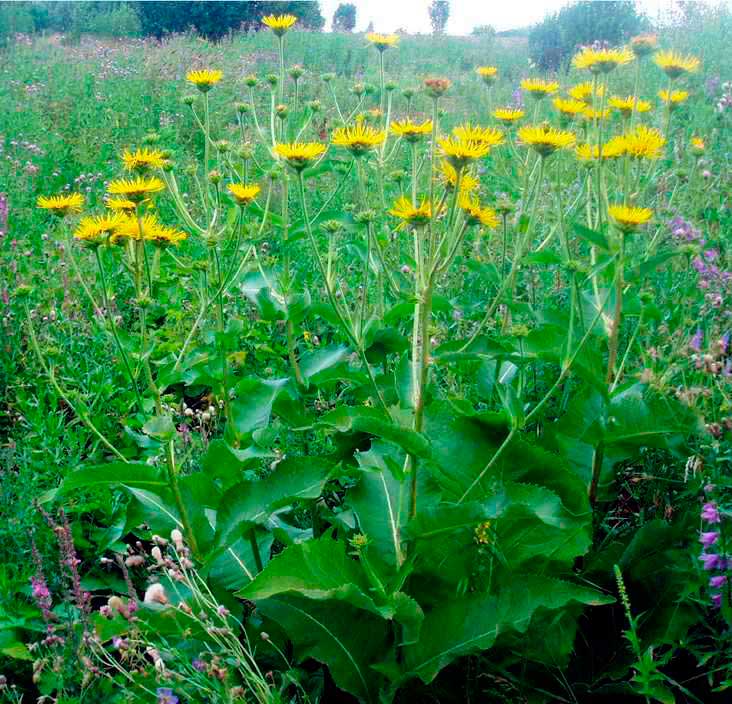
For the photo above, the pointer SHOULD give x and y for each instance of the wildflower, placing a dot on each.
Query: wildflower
(508, 116)
(205, 79)
(92, 230)
(697, 145)
(696, 340)
(358, 139)
(279, 24)
(152, 230)
(591, 152)
(483, 533)
(382, 42)
(165, 696)
(475, 214)
(460, 151)
(710, 513)
(644, 143)
(673, 98)
(569, 108)
(545, 140)
(538, 88)
(601, 60)
(155, 594)
(711, 560)
(243, 193)
(584, 91)
(474, 133)
(143, 159)
(299, 155)
(708, 538)
(436, 87)
(644, 44)
(61, 205)
(449, 176)
(121, 204)
(489, 74)
(411, 131)
(626, 106)
(717, 581)
(629, 218)
(593, 115)
(136, 190)
(675, 65)
(418, 216)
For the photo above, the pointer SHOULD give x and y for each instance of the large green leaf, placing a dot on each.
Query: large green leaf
(138, 475)
(252, 407)
(470, 624)
(314, 364)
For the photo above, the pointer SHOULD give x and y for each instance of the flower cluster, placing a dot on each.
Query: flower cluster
(714, 556)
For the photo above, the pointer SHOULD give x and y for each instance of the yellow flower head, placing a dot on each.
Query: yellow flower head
(61, 205)
(489, 74)
(152, 231)
(612, 149)
(411, 131)
(629, 218)
(120, 204)
(299, 155)
(137, 189)
(460, 151)
(382, 41)
(538, 88)
(569, 107)
(675, 65)
(96, 229)
(475, 214)
(418, 216)
(595, 115)
(673, 98)
(448, 175)
(583, 91)
(644, 143)
(359, 138)
(243, 193)
(205, 79)
(475, 133)
(625, 106)
(545, 140)
(697, 145)
(279, 24)
(143, 159)
(601, 60)
(644, 44)
(508, 116)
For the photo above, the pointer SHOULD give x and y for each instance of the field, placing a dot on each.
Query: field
(348, 369)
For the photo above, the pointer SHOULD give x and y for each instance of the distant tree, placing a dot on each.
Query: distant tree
(439, 13)
(370, 28)
(484, 30)
(344, 18)
(553, 41)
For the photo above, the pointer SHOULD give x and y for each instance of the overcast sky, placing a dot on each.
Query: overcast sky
(389, 15)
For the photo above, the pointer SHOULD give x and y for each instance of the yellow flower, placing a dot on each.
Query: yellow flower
(475, 133)
(93, 230)
(243, 193)
(137, 189)
(205, 79)
(359, 138)
(644, 143)
(629, 218)
(569, 108)
(593, 115)
(675, 65)
(279, 24)
(299, 155)
(697, 145)
(411, 131)
(418, 216)
(460, 151)
(142, 159)
(508, 116)
(545, 140)
(625, 105)
(448, 175)
(120, 204)
(673, 98)
(539, 88)
(612, 149)
(62, 204)
(601, 60)
(489, 74)
(644, 44)
(382, 41)
(583, 91)
(152, 231)
(475, 214)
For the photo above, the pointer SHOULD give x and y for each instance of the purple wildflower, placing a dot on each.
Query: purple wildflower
(711, 560)
(718, 581)
(696, 341)
(710, 513)
(166, 696)
(199, 665)
(717, 600)
(708, 538)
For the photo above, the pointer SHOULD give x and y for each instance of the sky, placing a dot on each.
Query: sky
(389, 15)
